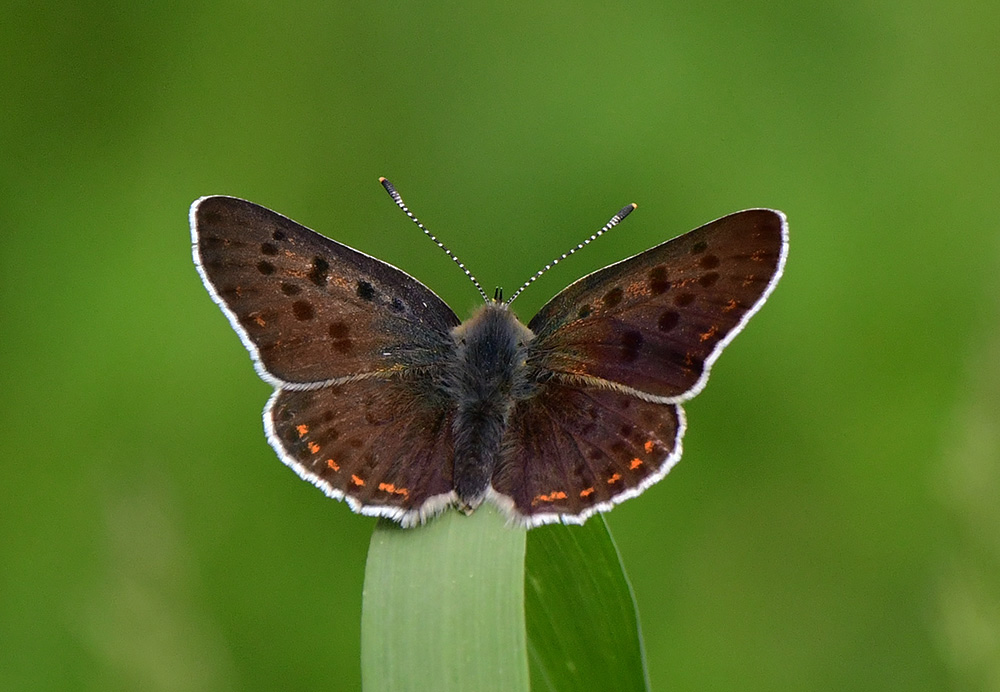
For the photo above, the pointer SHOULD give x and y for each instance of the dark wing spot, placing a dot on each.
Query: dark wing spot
(340, 333)
(365, 290)
(583, 313)
(668, 320)
(709, 262)
(397, 305)
(699, 247)
(658, 281)
(319, 271)
(290, 289)
(279, 235)
(339, 330)
(613, 297)
(708, 280)
(684, 299)
(265, 267)
(625, 430)
(631, 343)
(303, 310)
(268, 249)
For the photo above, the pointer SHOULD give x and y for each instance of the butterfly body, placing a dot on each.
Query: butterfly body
(385, 399)
(490, 376)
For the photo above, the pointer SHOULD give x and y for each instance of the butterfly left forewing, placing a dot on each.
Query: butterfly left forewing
(310, 309)
(656, 322)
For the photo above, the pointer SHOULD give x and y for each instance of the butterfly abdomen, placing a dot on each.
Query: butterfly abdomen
(491, 352)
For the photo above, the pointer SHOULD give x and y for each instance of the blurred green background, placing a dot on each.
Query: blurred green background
(835, 523)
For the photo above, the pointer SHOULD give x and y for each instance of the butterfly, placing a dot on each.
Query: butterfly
(385, 399)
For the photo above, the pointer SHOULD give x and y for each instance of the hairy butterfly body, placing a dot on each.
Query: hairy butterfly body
(385, 399)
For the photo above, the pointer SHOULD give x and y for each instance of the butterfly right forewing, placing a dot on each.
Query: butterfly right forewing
(656, 322)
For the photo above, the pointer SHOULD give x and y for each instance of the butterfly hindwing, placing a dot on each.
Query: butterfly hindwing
(308, 308)
(655, 323)
(574, 451)
(377, 443)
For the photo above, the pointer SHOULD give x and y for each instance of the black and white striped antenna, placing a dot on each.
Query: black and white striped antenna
(399, 203)
(614, 221)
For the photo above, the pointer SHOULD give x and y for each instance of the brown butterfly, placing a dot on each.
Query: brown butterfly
(385, 399)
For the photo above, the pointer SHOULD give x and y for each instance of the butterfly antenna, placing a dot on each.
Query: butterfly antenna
(614, 221)
(390, 188)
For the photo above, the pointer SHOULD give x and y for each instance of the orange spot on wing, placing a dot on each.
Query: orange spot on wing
(303, 429)
(357, 480)
(390, 488)
(648, 446)
(551, 497)
(332, 464)
(259, 320)
(313, 447)
(712, 331)
(731, 305)
(615, 477)
(636, 463)
(587, 491)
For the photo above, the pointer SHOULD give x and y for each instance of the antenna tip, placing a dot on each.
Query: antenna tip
(634, 205)
(381, 179)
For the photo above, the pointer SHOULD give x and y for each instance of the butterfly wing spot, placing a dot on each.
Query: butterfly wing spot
(550, 497)
(357, 480)
(682, 300)
(712, 331)
(290, 289)
(583, 313)
(668, 320)
(258, 319)
(333, 465)
(635, 463)
(708, 280)
(613, 297)
(392, 489)
(302, 429)
(268, 249)
(279, 235)
(265, 267)
(750, 279)
(730, 305)
(303, 310)
(699, 247)
(313, 447)
(319, 271)
(658, 281)
(587, 491)
(341, 333)
(615, 477)
(648, 446)
(709, 262)
(365, 291)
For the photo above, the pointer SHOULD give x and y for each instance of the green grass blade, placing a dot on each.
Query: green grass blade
(443, 606)
(582, 622)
